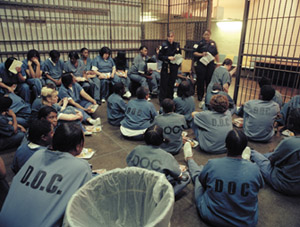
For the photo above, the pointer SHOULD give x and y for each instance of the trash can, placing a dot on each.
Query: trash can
(122, 197)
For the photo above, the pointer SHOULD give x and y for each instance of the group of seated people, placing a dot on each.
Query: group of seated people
(94, 76)
(226, 189)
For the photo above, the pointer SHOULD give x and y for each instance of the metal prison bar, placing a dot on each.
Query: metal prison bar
(69, 25)
(270, 47)
(121, 25)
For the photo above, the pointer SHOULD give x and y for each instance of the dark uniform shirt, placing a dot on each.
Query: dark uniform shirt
(167, 49)
(203, 46)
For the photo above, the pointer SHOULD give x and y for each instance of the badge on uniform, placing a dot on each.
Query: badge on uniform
(212, 44)
(166, 47)
(195, 46)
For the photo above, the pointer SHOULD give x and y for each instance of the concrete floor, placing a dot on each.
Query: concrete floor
(111, 151)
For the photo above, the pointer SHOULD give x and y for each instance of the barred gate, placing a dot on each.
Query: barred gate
(269, 47)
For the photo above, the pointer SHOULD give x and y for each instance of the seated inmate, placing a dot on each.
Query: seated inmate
(172, 124)
(212, 126)
(11, 82)
(116, 106)
(53, 68)
(32, 71)
(40, 135)
(77, 97)
(260, 115)
(39, 193)
(152, 157)
(281, 168)
(11, 133)
(184, 103)
(226, 189)
(139, 115)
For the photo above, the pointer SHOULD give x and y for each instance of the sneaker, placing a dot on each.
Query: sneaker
(98, 122)
(95, 121)
(127, 94)
(201, 104)
(87, 133)
(103, 100)
(187, 151)
(246, 153)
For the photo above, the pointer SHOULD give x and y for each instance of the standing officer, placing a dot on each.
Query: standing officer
(169, 71)
(204, 73)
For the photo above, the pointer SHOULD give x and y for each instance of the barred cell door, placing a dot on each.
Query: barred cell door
(269, 48)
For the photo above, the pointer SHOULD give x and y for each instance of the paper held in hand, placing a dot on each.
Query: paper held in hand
(94, 68)
(178, 59)
(14, 65)
(152, 66)
(205, 60)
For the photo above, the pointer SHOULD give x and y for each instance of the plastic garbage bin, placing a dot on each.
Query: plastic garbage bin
(122, 197)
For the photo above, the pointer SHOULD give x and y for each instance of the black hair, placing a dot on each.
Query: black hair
(51, 85)
(33, 53)
(119, 88)
(83, 49)
(120, 60)
(142, 92)
(104, 50)
(45, 111)
(8, 62)
(154, 135)
(267, 92)
(227, 61)
(236, 141)
(168, 105)
(5, 103)
(67, 79)
(73, 54)
(67, 136)
(293, 122)
(37, 129)
(184, 89)
(142, 47)
(264, 81)
(54, 54)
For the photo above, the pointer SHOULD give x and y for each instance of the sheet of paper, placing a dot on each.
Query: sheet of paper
(178, 59)
(152, 66)
(94, 68)
(207, 59)
(14, 65)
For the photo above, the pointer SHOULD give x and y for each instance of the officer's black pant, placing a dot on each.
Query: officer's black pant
(167, 81)
(204, 74)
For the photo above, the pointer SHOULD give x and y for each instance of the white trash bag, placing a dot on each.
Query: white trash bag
(122, 197)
